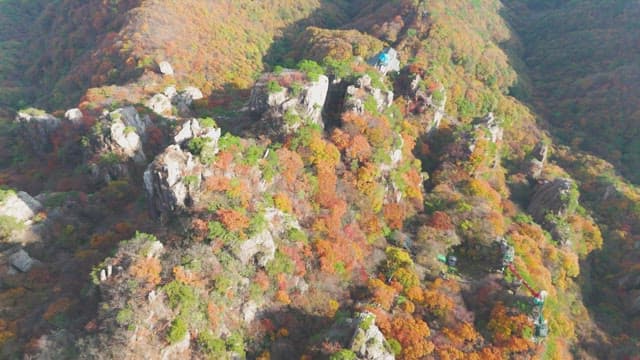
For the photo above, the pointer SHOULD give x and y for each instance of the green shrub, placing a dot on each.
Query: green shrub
(9, 224)
(273, 87)
(228, 141)
(311, 69)
(208, 123)
(196, 145)
(211, 345)
(178, 330)
(344, 354)
(124, 316)
(181, 296)
(394, 347)
(235, 343)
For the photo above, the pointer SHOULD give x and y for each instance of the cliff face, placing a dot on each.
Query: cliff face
(397, 204)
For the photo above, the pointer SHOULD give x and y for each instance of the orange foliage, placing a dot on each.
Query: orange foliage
(412, 334)
(233, 220)
(383, 294)
(394, 214)
(57, 307)
(441, 221)
(217, 183)
(148, 270)
(282, 202)
(509, 331)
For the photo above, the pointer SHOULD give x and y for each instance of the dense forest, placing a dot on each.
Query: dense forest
(319, 179)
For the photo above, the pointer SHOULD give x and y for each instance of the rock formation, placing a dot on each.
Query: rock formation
(37, 127)
(368, 342)
(359, 93)
(165, 180)
(275, 104)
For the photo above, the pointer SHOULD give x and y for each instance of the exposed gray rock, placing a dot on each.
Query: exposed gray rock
(192, 129)
(170, 92)
(165, 68)
(358, 94)
(160, 104)
(489, 123)
(261, 247)
(164, 180)
(21, 261)
(539, 157)
(37, 127)
(249, 311)
(183, 99)
(307, 101)
(368, 342)
(75, 116)
(20, 205)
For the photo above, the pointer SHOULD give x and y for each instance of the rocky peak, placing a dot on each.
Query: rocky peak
(283, 101)
(166, 180)
(193, 129)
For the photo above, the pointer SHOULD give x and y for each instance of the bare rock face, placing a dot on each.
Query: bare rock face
(303, 99)
(489, 123)
(551, 197)
(37, 127)
(166, 181)
(368, 342)
(193, 128)
(160, 104)
(183, 99)
(20, 206)
(74, 115)
(261, 247)
(358, 94)
(22, 261)
(536, 164)
(165, 68)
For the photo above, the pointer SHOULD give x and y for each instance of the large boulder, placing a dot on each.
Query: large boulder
(167, 181)
(74, 115)
(160, 104)
(183, 99)
(538, 159)
(20, 206)
(37, 127)
(297, 99)
(165, 68)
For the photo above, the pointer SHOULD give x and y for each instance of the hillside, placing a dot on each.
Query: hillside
(285, 191)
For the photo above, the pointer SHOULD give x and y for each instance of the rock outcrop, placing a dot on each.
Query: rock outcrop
(489, 123)
(22, 261)
(368, 342)
(282, 109)
(538, 159)
(165, 68)
(160, 104)
(550, 198)
(20, 206)
(359, 93)
(166, 180)
(194, 128)
(37, 127)
(74, 115)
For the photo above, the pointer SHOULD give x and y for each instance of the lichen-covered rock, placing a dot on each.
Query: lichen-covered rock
(37, 127)
(260, 247)
(160, 104)
(165, 181)
(368, 342)
(359, 93)
(282, 109)
(20, 206)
